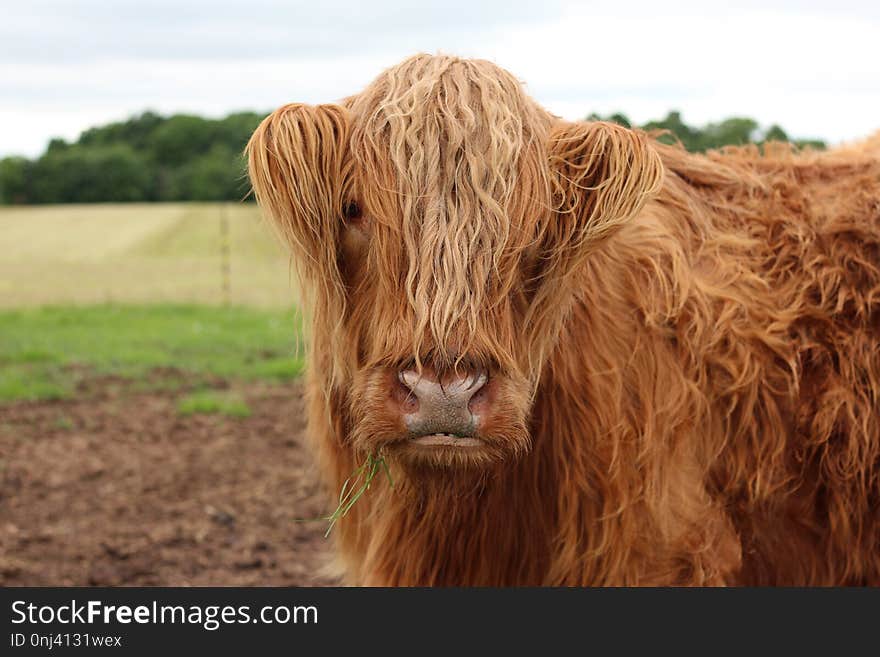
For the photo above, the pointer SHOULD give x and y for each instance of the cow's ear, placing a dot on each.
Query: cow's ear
(297, 163)
(602, 174)
(300, 171)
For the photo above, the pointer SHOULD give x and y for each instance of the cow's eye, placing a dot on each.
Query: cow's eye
(352, 211)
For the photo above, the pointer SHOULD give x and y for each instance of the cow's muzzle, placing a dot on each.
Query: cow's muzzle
(442, 411)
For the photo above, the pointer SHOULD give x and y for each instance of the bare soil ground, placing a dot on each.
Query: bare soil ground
(117, 488)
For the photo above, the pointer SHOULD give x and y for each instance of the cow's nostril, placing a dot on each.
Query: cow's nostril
(480, 399)
(476, 382)
(404, 396)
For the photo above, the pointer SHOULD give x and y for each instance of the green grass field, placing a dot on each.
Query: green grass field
(211, 402)
(46, 352)
(139, 253)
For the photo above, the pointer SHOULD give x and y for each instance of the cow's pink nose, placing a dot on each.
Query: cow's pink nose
(441, 407)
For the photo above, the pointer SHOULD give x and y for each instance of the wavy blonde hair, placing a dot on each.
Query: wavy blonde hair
(448, 153)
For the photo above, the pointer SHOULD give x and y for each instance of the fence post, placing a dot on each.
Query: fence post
(225, 268)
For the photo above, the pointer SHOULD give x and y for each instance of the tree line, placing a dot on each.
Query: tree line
(146, 158)
(735, 131)
(150, 157)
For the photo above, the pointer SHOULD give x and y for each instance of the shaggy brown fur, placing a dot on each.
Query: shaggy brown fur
(684, 349)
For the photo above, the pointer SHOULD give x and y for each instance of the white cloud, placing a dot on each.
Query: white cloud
(67, 66)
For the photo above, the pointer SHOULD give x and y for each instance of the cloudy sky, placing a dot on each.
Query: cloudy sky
(813, 67)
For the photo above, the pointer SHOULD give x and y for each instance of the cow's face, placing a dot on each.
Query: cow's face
(439, 220)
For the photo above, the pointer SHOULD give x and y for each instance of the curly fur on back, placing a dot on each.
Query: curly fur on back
(697, 336)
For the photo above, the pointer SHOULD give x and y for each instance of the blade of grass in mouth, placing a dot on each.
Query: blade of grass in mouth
(355, 486)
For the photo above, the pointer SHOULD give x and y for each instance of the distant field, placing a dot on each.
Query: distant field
(139, 253)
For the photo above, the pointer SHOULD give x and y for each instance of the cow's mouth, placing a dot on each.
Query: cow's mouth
(447, 440)
(454, 419)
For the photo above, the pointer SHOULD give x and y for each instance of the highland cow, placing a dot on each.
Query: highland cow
(588, 358)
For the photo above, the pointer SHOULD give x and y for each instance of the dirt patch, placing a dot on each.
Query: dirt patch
(119, 489)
